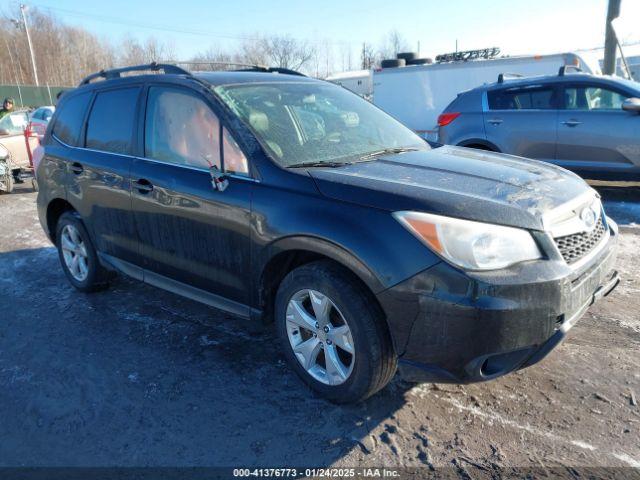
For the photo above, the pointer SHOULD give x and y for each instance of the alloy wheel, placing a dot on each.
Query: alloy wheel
(320, 337)
(74, 253)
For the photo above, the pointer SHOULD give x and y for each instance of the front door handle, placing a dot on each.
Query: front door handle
(571, 123)
(495, 121)
(143, 186)
(77, 168)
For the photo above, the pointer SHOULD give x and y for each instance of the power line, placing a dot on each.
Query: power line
(158, 27)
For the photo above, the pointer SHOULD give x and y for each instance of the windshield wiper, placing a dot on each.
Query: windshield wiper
(387, 151)
(319, 164)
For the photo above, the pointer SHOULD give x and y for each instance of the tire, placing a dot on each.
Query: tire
(407, 56)
(95, 277)
(373, 362)
(393, 63)
(420, 61)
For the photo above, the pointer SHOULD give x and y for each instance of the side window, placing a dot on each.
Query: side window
(521, 99)
(234, 159)
(181, 128)
(110, 125)
(70, 118)
(38, 114)
(592, 98)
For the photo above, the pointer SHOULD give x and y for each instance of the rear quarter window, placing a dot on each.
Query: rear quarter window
(110, 124)
(70, 117)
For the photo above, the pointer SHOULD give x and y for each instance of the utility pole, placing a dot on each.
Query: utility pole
(610, 40)
(26, 29)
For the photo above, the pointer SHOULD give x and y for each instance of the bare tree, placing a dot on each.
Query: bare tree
(367, 56)
(63, 54)
(287, 52)
(273, 51)
(134, 52)
(393, 44)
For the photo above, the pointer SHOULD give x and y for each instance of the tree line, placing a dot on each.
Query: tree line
(64, 54)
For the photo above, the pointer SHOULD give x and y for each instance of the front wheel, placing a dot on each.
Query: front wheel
(332, 333)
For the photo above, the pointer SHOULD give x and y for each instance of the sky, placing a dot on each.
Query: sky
(192, 26)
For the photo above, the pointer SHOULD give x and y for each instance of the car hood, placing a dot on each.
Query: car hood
(458, 182)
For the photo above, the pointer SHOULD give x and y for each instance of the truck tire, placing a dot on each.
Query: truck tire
(407, 56)
(420, 61)
(332, 334)
(393, 63)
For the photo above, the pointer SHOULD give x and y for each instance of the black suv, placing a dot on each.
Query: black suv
(279, 197)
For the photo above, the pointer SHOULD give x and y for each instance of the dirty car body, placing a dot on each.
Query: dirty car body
(175, 226)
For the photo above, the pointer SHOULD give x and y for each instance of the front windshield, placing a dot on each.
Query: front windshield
(305, 122)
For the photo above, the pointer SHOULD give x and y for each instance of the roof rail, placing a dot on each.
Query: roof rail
(563, 69)
(505, 76)
(285, 71)
(245, 67)
(116, 72)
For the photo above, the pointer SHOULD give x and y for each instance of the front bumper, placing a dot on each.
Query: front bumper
(457, 327)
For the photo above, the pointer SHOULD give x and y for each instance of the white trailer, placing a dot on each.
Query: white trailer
(417, 94)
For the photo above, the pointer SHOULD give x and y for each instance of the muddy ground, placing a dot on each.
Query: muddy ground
(135, 376)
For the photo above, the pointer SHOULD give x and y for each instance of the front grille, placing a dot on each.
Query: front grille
(574, 247)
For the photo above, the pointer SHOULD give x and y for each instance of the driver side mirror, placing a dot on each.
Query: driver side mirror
(631, 105)
(219, 180)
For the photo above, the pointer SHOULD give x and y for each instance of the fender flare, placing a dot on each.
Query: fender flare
(323, 247)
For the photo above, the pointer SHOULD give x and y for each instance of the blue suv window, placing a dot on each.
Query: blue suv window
(526, 98)
(110, 125)
(593, 98)
(70, 118)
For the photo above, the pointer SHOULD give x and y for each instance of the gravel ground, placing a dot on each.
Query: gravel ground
(135, 376)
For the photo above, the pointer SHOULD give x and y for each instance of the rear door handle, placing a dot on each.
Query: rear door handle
(143, 186)
(571, 123)
(495, 121)
(77, 168)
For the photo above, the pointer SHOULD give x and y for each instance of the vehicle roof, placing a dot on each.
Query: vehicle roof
(553, 79)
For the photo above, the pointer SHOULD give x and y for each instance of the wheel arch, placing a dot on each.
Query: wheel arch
(283, 256)
(480, 144)
(55, 209)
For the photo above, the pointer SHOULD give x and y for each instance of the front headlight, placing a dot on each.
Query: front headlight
(468, 244)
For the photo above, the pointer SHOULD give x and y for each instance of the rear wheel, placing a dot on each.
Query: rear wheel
(78, 257)
(332, 334)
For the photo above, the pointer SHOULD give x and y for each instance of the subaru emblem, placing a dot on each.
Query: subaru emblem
(588, 217)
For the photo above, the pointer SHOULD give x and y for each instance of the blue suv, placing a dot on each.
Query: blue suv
(586, 123)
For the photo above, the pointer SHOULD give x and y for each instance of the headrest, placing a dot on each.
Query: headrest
(259, 121)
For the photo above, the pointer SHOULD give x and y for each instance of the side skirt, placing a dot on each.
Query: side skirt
(178, 288)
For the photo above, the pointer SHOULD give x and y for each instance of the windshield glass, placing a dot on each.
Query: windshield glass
(301, 123)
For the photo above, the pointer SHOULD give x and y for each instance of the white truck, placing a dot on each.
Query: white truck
(417, 94)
